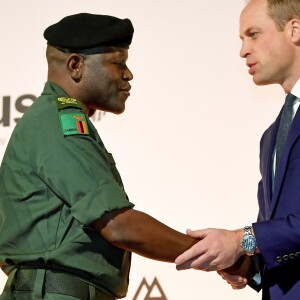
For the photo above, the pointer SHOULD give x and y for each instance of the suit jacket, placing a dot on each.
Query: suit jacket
(278, 228)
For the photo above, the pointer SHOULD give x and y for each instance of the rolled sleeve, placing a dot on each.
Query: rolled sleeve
(101, 200)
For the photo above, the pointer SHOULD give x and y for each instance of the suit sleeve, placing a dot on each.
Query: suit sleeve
(277, 229)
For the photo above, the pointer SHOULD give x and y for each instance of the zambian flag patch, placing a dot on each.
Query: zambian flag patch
(73, 123)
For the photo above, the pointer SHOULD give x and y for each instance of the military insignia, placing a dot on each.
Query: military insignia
(73, 123)
(64, 102)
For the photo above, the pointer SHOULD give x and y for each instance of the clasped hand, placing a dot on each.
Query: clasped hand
(217, 249)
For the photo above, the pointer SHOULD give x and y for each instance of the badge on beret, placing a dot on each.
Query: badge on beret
(64, 102)
(73, 123)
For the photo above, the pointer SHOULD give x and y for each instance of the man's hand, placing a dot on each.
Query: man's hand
(217, 249)
(237, 282)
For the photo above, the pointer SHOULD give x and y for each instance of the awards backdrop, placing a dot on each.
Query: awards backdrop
(187, 145)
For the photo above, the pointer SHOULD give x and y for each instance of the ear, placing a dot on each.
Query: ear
(294, 29)
(74, 64)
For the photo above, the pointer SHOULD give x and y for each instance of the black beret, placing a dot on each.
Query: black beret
(89, 33)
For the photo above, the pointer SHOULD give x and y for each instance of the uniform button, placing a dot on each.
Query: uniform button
(285, 257)
(297, 254)
(292, 255)
(278, 259)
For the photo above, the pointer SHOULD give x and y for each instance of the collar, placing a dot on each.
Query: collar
(296, 89)
(51, 88)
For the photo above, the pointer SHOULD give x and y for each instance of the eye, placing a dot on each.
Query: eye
(120, 64)
(254, 35)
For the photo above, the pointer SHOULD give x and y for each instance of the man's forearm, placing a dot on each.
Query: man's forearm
(140, 233)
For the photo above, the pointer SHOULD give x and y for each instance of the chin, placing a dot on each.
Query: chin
(117, 111)
(258, 81)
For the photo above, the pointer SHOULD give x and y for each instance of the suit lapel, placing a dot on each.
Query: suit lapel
(267, 156)
(293, 134)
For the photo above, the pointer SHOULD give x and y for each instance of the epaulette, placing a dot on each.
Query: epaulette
(72, 123)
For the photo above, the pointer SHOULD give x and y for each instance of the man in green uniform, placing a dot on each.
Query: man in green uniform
(67, 228)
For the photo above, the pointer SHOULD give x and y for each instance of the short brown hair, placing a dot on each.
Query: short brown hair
(282, 11)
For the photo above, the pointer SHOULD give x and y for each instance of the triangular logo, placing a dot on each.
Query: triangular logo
(150, 292)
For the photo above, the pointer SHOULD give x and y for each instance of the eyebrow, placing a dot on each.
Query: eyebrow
(118, 55)
(248, 31)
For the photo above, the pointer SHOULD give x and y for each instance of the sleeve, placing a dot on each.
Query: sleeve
(279, 240)
(81, 174)
(277, 233)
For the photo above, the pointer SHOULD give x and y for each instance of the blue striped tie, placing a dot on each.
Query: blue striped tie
(284, 126)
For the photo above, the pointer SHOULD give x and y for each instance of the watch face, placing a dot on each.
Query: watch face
(249, 243)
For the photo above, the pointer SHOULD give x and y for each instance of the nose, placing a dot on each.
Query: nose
(127, 74)
(245, 49)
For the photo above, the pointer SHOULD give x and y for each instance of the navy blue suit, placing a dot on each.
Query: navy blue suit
(278, 228)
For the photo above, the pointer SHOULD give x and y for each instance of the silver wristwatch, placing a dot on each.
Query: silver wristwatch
(248, 243)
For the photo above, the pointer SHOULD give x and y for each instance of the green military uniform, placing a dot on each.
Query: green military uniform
(56, 178)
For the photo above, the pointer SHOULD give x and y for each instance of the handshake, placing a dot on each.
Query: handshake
(220, 250)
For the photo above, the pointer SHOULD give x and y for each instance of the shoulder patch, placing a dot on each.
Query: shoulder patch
(73, 123)
(64, 102)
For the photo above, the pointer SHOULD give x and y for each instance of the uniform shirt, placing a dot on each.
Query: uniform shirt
(52, 187)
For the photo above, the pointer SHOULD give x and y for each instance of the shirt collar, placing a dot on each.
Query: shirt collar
(296, 89)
